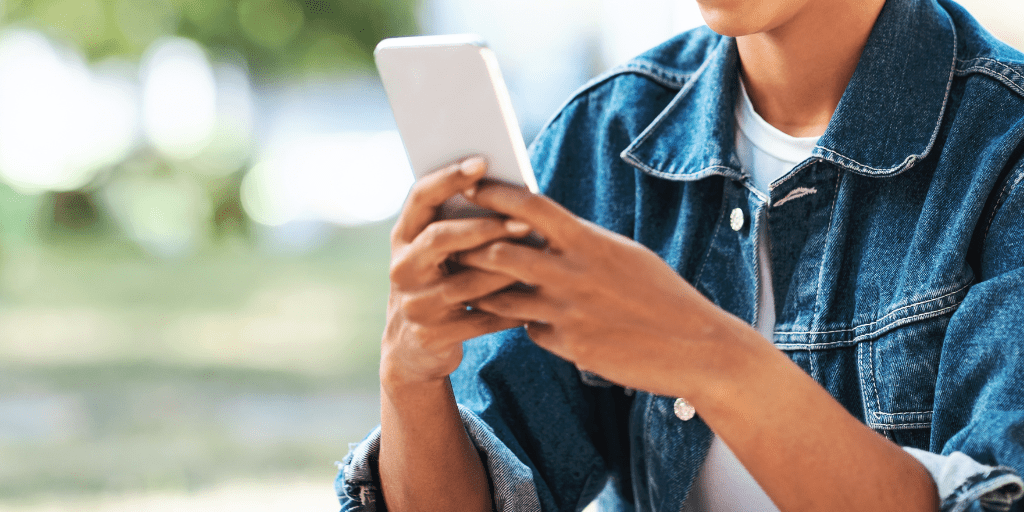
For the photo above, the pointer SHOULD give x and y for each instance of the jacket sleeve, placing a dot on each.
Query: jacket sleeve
(358, 485)
(548, 441)
(977, 442)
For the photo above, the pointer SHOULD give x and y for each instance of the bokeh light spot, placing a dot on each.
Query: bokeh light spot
(179, 98)
(59, 121)
(348, 178)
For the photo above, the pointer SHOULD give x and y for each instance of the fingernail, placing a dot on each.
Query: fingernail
(469, 192)
(517, 226)
(473, 166)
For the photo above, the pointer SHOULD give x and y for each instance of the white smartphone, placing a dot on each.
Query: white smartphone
(450, 102)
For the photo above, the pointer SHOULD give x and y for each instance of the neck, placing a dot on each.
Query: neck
(796, 73)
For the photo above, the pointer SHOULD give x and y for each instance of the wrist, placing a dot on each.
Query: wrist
(400, 384)
(738, 359)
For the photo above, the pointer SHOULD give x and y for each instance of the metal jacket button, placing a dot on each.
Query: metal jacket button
(736, 219)
(683, 409)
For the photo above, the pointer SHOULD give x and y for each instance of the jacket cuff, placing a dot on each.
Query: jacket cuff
(965, 484)
(512, 486)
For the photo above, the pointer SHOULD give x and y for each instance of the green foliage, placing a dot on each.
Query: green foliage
(275, 36)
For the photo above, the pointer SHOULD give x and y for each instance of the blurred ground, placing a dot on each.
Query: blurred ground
(123, 375)
(268, 494)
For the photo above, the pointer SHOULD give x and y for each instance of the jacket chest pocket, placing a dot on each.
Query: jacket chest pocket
(898, 370)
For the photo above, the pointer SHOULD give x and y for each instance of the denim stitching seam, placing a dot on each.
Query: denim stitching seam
(1005, 74)
(866, 336)
(870, 350)
(649, 130)
(877, 414)
(792, 173)
(861, 371)
(910, 160)
(891, 313)
(906, 320)
(898, 426)
(652, 70)
(671, 106)
(818, 346)
(857, 166)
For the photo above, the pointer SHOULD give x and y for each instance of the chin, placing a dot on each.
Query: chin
(728, 25)
(745, 17)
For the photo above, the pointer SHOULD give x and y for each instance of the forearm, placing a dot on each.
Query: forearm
(804, 449)
(427, 461)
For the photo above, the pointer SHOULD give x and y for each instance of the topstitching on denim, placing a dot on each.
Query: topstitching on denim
(995, 69)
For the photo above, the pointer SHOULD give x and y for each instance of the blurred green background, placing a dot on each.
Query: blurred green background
(195, 199)
(154, 338)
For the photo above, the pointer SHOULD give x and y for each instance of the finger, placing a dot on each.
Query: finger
(434, 189)
(546, 216)
(516, 303)
(452, 294)
(470, 284)
(440, 239)
(470, 324)
(525, 264)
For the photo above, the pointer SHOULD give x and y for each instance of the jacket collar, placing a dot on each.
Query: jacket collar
(887, 119)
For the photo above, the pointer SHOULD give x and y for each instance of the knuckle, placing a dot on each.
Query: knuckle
(396, 272)
(427, 237)
(417, 194)
(436, 235)
(419, 331)
(396, 234)
(498, 252)
(414, 308)
(398, 269)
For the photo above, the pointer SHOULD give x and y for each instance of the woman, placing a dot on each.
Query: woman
(803, 226)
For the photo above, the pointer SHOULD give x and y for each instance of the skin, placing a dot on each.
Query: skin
(598, 293)
(797, 56)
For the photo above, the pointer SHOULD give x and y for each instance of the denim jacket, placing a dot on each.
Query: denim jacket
(897, 260)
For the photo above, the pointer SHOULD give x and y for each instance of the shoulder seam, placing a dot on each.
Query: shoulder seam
(664, 76)
(993, 68)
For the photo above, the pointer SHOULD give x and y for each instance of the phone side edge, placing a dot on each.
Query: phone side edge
(508, 114)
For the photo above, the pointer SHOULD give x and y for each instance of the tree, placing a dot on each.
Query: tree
(275, 37)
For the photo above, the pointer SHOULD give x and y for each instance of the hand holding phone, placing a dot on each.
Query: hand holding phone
(450, 102)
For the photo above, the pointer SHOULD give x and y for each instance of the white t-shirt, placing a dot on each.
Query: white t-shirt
(723, 484)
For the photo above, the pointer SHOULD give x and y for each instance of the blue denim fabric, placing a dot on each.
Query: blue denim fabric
(897, 253)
